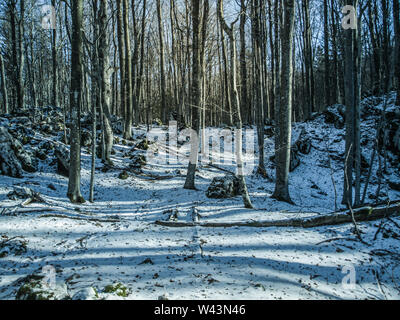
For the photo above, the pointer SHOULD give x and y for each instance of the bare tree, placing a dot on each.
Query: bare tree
(237, 118)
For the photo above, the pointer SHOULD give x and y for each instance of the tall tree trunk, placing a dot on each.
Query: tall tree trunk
(21, 62)
(121, 49)
(396, 20)
(128, 74)
(195, 93)
(54, 58)
(142, 57)
(308, 59)
(326, 55)
(235, 107)
(105, 87)
(285, 113)
(386, 50)
(3, 86)
(74, 188)
(350, 105)
(336, 87)
(357, 97)
(162, 62)
(245, 108)
(258, 100)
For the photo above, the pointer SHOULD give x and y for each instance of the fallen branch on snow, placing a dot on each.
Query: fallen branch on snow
(361, 215)
(60, 216)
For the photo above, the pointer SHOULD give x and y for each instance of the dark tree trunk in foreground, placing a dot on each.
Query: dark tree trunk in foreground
(350, 105)
(285, 109)
(396, 19)
(195, 93)
(74, 186)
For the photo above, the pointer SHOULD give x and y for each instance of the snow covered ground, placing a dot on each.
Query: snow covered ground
(202, 263)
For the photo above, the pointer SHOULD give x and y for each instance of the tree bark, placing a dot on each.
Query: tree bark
(105, 85)
(195, 93)
(121, 49)
(396, 20)
(350, 105)
(74, 188)
(128, 74)
(285, 113)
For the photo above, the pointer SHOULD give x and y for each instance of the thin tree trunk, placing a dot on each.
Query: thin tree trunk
(235, 107)
(3, 86)
(326, 55)
(121, 49)
(54, 58)
(128, 74)
(162, 62)
(243, 65)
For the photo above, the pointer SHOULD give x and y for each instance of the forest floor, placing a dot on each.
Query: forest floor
(116, 241)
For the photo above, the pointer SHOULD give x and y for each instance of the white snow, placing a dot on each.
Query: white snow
(202, 263)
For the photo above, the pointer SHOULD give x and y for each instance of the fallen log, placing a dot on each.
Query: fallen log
(61, 216)
(361, 215)
(64, 214)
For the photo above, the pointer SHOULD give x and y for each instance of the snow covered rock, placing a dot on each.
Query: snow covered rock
(13, 157)
(86, 138)
(335, 115)
(21, 193)
(14, 247)
(86, 294)
(294, 160)
(35, 288)
(223, 188)
(138, 161)
(303, 144)
(61, 153)
(390, 136)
